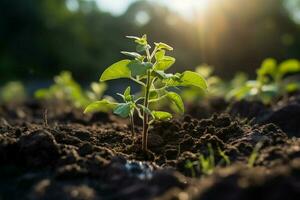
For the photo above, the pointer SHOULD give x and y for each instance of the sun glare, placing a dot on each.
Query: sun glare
(188, 7)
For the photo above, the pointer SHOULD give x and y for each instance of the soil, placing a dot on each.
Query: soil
(62, 154)
(285, 113)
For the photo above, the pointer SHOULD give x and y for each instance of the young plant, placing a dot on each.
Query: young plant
(271, 81)
(66, 89)
(253, 156)
(206, 164)
(13, 91)
(147, 68)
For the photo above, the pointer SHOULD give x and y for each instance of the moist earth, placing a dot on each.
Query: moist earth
(62, 154)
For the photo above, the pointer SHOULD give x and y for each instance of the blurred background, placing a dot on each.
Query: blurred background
(40, 38)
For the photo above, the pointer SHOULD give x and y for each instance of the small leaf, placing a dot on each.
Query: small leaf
(127, 96)
(133, 37)
(100, 106)
(41, 94)
(289, 66)
(117, 70)
(174, 97)
(127, 91)
(153, 95)
(160, 55)
(132, 54)
(142, 47)
(161, 115)
(292, 87)
(268, 67)
(162, 45)
(162, 75)
(240, 92)
(139, 68)
(123, 109)
(141, 41)
(164, 63)
(205, 70)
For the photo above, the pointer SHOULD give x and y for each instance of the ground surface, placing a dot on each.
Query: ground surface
(62, 154)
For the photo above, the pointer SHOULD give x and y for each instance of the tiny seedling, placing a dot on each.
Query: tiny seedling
(13, 91)
(190, 166)
(206, 164)
(271, 81)
(147, 68)
(254, 154)
(66, 89)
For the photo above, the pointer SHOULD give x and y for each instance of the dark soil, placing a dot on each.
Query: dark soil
(63, 154)
(285, 113)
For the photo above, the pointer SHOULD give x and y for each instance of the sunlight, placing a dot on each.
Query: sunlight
(188, 7)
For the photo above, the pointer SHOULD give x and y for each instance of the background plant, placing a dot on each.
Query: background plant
(66, 89)
(13, 91)
(272, 81)
(147, 69)
(206, 164)
(217, 87)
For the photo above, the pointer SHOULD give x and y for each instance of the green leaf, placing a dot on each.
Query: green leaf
(160, 55)
(117, 70)
(190, 78)
(289, 66)
(153, 95)
(161, 74)
(205, 70)
(161, 115)
(239, 93)
(100, 106)
(268, 67)
(139, 68)
(187, 78)
(123, 109)
(41, 94)
(133, 37)
(127, 96)
(142, 47)
(131, 54)
(164, 63)
(140, 40)
(176, 99)
(162, 45)
(292, 87)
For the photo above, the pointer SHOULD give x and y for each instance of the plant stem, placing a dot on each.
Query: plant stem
(145, 114)
(139, 82)
(132, 125)
(159, 98)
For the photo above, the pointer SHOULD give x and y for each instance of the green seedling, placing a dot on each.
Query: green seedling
(66, 89)
(206, 164)
(147, 68)
(225, 159)
(253, 156)
(190, 166)
(271, 82)
(13, 91)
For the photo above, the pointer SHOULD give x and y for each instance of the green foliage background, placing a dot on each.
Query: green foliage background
(40, 38)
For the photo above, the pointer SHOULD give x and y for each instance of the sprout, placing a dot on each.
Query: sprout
(147, 69)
